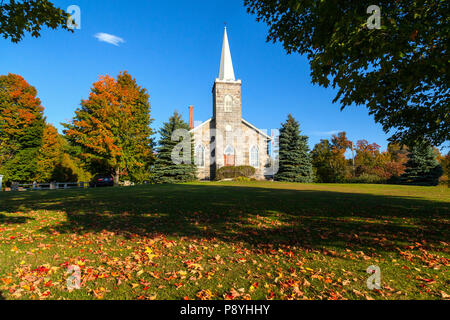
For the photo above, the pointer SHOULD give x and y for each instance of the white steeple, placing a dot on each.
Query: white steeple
(226, 72)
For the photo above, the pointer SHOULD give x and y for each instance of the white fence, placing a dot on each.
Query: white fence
(48, 186)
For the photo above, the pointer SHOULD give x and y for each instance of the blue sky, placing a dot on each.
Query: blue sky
(173, 49)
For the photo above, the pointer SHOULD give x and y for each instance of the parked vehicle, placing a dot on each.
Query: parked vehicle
(102, 180)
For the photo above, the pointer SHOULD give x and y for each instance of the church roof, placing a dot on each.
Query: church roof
(243, 121)
(226, 72)
(258, 130)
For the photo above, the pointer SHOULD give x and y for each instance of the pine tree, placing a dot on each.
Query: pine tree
(294, 158)
(113, 128)
(21, 128)
(422, 167)
(165, 170)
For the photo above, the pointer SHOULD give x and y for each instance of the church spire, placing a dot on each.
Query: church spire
(226, 72)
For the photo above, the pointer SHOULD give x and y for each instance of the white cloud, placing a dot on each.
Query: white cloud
(109, 38)
(325, 133)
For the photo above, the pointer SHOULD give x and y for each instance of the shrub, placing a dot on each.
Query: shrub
(243, 179)
(235, 172)
(367, 178)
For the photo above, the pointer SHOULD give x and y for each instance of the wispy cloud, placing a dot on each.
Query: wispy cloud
(325, 133)
(109, 38)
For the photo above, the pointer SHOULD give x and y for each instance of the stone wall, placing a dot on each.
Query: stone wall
(227, 129)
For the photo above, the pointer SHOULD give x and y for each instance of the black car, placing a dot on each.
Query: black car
(102, 180)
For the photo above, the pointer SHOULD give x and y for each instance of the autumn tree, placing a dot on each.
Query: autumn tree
(322, 157)
(18, 17)
(170, 170)
(339, 163)
(49, 155)
(367, 157)
(444, 160)
(399, 71)
(112, 128)
(21, 128)
(294, 158)
(55, 162)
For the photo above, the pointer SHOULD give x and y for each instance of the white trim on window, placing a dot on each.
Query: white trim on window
(254, 162)
(229, 151)
(228, 103)
(202, 164)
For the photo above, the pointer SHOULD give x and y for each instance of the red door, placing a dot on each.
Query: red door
(229, 160)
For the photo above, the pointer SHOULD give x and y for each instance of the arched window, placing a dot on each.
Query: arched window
(200, 156)
(229, 151)
(228, 103)
(254, 156)
(229, 156)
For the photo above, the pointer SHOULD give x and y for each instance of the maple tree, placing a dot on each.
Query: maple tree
(50, 154)
(22, 124)
(321, 156)
(113, 128)
(399, 72)
(55, 161)
(328, 158)
(18, 17)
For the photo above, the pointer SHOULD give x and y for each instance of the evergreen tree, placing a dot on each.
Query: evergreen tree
(422, 167)
(21, 128)
(294, 159)
(113, 128)
(165, 170)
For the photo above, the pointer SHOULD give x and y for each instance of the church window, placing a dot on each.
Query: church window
(200, 156)
(229, 156)
(228, 103)
(254, 156)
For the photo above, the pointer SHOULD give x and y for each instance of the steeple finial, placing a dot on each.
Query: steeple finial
(226, 72)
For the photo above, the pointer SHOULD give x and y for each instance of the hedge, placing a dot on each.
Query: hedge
(235, 172)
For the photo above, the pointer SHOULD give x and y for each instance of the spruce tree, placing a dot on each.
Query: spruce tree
(294, 159)
(422, 167)
(165, 170)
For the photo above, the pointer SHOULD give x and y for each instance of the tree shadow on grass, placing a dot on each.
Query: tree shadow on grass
(13, 220)
(260, 217)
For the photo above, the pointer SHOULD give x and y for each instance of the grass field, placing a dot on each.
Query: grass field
(259, 240)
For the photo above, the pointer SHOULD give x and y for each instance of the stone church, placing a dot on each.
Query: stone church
(227, 139)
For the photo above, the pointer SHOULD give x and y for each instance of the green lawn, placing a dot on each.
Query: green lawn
(259, 240)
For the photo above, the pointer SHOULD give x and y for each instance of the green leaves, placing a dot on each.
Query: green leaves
(18, 17)
(375, 68)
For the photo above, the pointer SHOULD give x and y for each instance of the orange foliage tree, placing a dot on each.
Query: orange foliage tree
(21, 127)
(113, 128)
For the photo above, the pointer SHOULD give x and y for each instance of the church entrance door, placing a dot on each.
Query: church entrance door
(229, 157)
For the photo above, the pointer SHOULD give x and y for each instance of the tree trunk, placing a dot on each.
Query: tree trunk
(116, 177)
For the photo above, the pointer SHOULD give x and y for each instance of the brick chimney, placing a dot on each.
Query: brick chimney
(191, 117)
